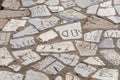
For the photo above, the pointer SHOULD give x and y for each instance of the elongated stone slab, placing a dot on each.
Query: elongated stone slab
(66, 46)
(70, 31)
(22, 42)
(13, 14)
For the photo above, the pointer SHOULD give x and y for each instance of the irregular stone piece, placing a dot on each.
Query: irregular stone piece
(52, 2)
(92, 9)
(106, 11)
(99, 22)
(22, 42)
(68, 59)
(26, 56)
(3, 23)
(70, 15)
(13, 14)
(117, 7)
(118, 43)
(86, 48)
(66, 46)
(115, 19)
(116, 1)
(5, 57)
(42, 24)
(40, 1)
(106, 4)
(54, 68)
(39, 10)
(70, 76)
(93, 36)
(111, 55)
(106, 74)
(84, 69)
(6, 75)
(56, 8)
(68, 4)
(35, 75)
(94, 61)
(86, 3)
(27, 31)
(70, 31)
(27, 3)
(15, 67)
(14, 24)
(11, 4)
(4, 38)
(59, 78)
(112, 34)
(45, 37)
(107, 43)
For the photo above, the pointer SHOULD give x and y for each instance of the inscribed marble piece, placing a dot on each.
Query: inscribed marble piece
(93, 36)
(70, 15)
(5, 57)
(42, 24)
(68, 59)
(111, 55)
(94, 61)
(106, 74)
(106, 4)
(30, 30)
(112, 34)
(15, 67)
(39, 10)
(70, 76)
(11, 4)
(84, 70)
(26, 57)
(14, 14)
(6, 75)
(14, 24)
(65, 46)
(35, 75)
(86, 48)
(22, 42)
(70, 31)
(4, 38)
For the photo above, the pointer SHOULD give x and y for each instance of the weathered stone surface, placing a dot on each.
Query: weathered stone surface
(70, 76)
(86, 48)
(117, 7)
(66, 46)
(118, 43)
(112, 34)
(92, 9)
(52, 2)
(58, 78)
(15, 67)
(115, 19)
(68, 4)
(3, 22)
(56, 8)
(70, 31)
(116, 1)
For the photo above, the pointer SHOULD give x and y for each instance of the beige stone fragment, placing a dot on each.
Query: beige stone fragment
(3, 22)
(58, 78)
(86, 48)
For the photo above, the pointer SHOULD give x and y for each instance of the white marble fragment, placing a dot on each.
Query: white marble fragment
(56, 8)
(14, 24)
(27, 3)
(15, 67)
(118, 43)
(26, 56)
(70, 15)
(106, 43)
(39, 10)
(84, 70)
(40, 1)
(58, 78)
(11, 4)
(70, 76)
(5, 57)
(94, 61)
(93, 36)
(106, 74)
(65, 46)
(30, 30)
(68, 4)
(86, 48)
(42, 24)
(54, 68)
(22, 42)
(4, 38)
(92, 9)
(14, 14)
(111, 55)
(112, 34)
(117, 7)
(52, 2)
(110, 11)
(115, 19)
(68, 59)
(86, 3)
(35, 75)
(70, 31)
(6, 75)
(106, 4)
(116, 2)
(49, 35)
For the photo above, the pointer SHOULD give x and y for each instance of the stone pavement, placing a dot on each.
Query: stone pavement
(60, 40)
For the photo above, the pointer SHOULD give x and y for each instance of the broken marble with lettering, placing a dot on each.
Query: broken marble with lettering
(112, 34)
